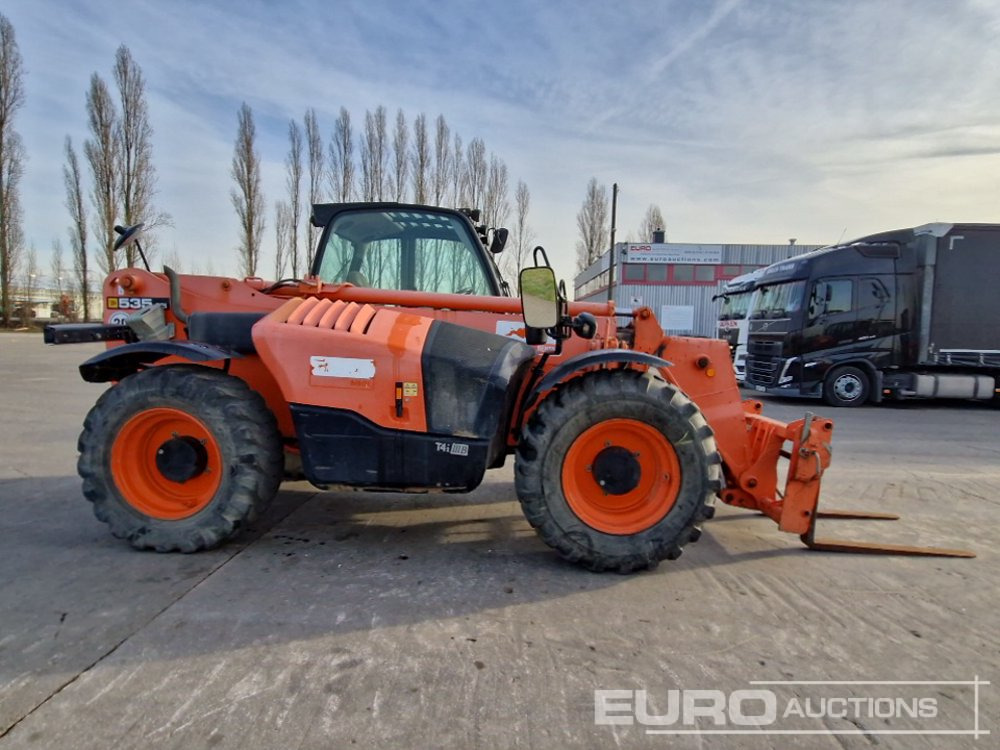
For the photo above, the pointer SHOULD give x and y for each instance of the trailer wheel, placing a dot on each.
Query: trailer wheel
(615, 471)
(179, 458)
(846, 386)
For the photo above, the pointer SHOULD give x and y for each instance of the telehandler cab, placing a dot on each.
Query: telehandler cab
(400, 364)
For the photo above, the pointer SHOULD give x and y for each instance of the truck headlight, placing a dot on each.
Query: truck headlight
(785, 378)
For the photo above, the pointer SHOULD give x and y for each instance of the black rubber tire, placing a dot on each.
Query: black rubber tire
(588, 400)
(245, 432)
(846, 386)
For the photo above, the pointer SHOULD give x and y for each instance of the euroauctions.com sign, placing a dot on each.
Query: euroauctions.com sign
(672, 252)
(801, 707)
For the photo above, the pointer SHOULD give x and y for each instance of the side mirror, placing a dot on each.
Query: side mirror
(127, 235)
(539, 298)
(499, 241)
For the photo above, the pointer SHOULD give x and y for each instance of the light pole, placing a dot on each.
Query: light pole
(611, 254)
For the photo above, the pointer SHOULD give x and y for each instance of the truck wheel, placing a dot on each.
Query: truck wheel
(615, 471)
(846, 386)
(179, 458)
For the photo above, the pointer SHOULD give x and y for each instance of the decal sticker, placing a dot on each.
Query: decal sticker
(118, 319)
(409, 389)
(343, 367)
(454, 449)
(135, 303)
(514, 329)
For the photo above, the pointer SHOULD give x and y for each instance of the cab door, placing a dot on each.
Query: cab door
(831, 315)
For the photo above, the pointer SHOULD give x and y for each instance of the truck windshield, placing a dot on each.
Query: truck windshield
(404, 249)
(779, 300)
(735, 305)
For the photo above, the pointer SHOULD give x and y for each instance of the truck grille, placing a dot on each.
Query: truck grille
(762, 371)
(764, 348)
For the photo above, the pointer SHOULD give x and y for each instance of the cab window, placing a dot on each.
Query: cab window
(404, 249)
(831, 296)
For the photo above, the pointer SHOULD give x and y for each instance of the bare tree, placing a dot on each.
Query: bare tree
(101, 150)
(400, 157)
(11, 163)
(475, 173)
(496, 203)
(342, 158)
(57, 267)
(441, 178)
(592, 221)
(247, 197)
(61, 281)
(78, 229)
(420, 160)
(374, 155)
(172, 260)
(29, 286)
(314, 149)
(284, 229)
(293, 181)
(517, 252)
(652, 221)
(457, 173)
(136, 176)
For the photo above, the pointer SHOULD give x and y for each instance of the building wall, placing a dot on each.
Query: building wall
(45, 303)
(685, 289)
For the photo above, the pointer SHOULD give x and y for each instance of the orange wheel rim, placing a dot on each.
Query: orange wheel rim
(621, 476)
(166, 463)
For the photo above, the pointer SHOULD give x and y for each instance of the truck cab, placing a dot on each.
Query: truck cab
(910, 313)
(842, 308)
(738, 298)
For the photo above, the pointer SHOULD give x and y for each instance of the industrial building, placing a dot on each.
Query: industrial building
(676, 280)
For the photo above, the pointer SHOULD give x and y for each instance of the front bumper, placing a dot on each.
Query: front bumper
(791, 390)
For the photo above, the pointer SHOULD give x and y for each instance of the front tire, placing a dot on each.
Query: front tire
(179, 458)
(615, 471)
(846, 386)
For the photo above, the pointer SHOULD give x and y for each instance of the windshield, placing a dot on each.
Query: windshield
(779, 300)
(404, 249)
(735, 306)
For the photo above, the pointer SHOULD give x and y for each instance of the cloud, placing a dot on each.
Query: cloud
(744, 121)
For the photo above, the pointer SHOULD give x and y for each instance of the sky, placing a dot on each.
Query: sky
(750, 121)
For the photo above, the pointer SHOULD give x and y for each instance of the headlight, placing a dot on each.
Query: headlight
(785, 378)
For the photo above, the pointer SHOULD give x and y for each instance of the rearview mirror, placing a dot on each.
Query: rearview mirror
(499, 241)
(127, 235)
(539, 298)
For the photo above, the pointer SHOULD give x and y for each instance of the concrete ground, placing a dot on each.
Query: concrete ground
(405, 621)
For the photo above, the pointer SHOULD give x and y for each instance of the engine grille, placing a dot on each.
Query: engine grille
(762, 371)
(765, 348)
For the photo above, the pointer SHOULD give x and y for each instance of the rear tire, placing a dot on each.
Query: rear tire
(179, 458)
(615, 471)
(846, 386)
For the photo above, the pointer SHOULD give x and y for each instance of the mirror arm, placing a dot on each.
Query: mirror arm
(142, 255)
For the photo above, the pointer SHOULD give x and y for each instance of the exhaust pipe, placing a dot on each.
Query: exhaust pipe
(175, 294)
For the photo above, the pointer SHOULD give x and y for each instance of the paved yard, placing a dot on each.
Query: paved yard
(442, 621)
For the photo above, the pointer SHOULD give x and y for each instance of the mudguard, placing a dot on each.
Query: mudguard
(115, 364)
(595, 358)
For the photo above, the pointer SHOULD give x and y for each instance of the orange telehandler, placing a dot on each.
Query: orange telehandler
(400, 364)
